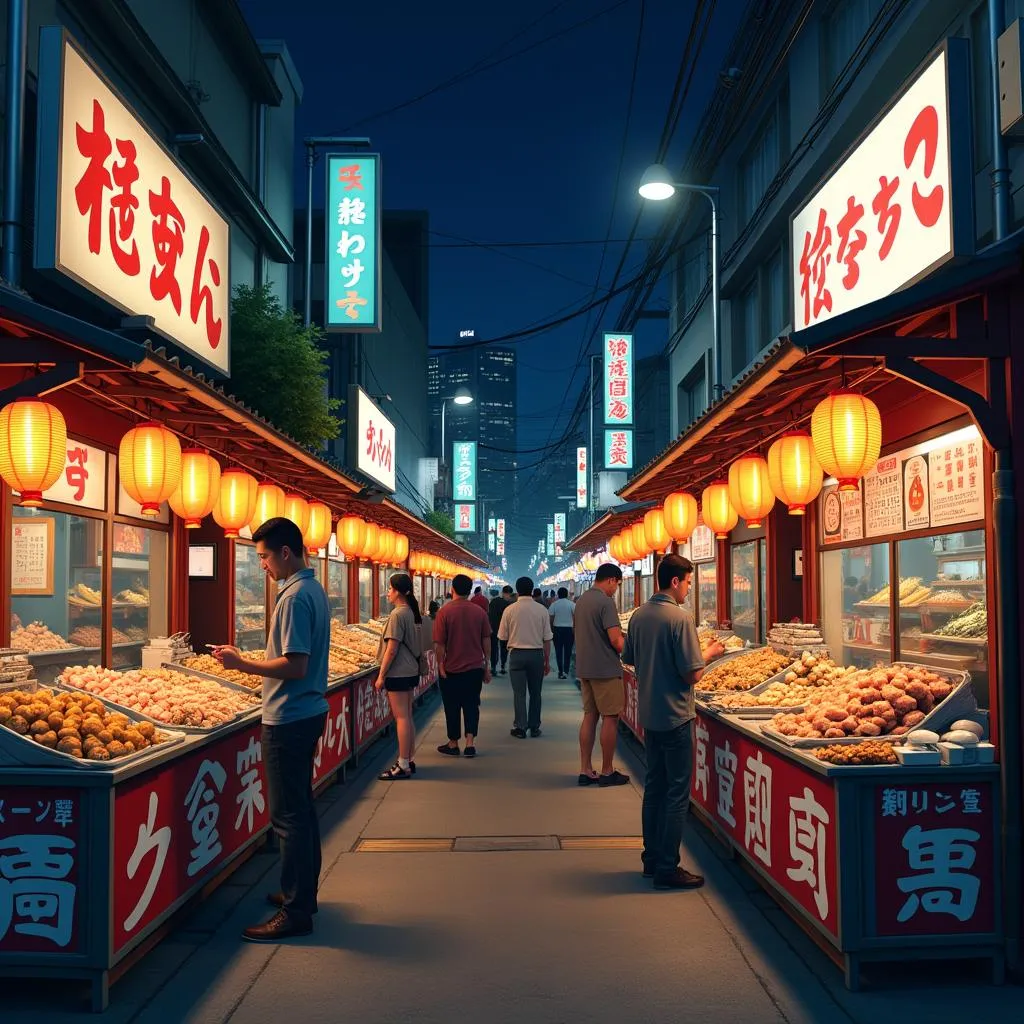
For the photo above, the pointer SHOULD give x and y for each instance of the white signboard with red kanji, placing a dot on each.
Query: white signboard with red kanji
(884, 217)
(84, 480)
(618, 379)
(129, 224)
(371, 445)
(581, 478)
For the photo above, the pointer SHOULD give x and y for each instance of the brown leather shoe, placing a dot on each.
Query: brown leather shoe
(280, 927)
(679, 879)
(276, 899)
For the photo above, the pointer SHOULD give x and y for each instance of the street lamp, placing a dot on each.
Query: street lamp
(461, 397)
(657, 184)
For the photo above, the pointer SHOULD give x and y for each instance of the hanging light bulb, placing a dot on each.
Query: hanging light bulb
(269, 505)
(717, 510)
(33, 447)
(149, 463)
(847, 431)
(795, 474)
(750, 490)
(236, 501)
(319, 530)
(198, 489)
(296, 508)
(351, 534)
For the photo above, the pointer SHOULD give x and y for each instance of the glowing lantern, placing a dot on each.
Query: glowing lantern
(369, 549)
(269, 505)
(296, 508)
(414, 561)
(847, 432)
(198, 489)
(718, 512)
(613, 548)
(794, 471)
(750, 490)
(401, 552)
(236, 502)
(640, 546)
(33, 447)
(319, 530)
(149, 462)
(386, 546)
(680, 514)
(625, 539)
(351, 535)
(654, 530)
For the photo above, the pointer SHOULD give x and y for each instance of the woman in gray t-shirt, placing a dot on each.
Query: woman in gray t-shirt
(399, 656)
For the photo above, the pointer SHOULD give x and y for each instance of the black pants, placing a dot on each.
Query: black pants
(288, 752)
(498, 648)
(666, 796)
(564, 640)
(460, 692)
(526, 670)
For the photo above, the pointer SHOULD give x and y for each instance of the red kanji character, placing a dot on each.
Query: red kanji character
(618, 347)
(924, 131)
(95, 147)
(204, 296)
(889, 213)
(618, 368)
(617, 410)
(168, 243)
(351, 176)
(617, 388)
(813, 264)
(850, 247)
(122, 209)
(76, 474)
(371, 433)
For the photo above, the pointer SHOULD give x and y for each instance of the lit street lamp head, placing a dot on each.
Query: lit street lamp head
(462, 397)
(656, 183)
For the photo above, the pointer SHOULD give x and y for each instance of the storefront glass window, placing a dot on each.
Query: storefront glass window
(250, 598)
(707, 593)
(762, 615)
(365, 593)
(139, 607)
(943, 605)
(384, 574)
(855, 603)
(744, 590)
(337, 589)
(56, 580)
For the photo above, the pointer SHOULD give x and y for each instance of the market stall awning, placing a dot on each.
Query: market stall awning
(597, 535)
(129, 379)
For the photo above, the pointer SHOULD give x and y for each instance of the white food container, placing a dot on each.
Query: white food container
(918, 755)
(954, 754)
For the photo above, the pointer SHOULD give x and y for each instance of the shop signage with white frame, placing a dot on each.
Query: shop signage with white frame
(582, 497)
(618, 379)
(84, 479)
(372, 444)
(119, 216)
(464, 470)
(465, 518)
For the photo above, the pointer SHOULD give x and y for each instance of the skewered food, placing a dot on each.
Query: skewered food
(36, 637)
(744, 671)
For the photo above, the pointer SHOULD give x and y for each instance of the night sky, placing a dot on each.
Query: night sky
(527, 151)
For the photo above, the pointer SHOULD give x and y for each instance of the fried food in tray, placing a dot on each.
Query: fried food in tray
(744, 670)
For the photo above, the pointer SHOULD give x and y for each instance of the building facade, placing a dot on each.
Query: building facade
(806, 89)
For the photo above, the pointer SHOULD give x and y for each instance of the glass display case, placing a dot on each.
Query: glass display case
(707, 592)
(365, 593)
(139, 601)
(384, 574)
(855, 610)
(337, 589)
(250, 598)
(744, 591)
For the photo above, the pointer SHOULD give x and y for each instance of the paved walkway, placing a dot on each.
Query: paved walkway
(532, 935)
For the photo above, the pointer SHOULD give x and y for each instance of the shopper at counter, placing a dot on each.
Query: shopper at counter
(662, 646)
(294, 712)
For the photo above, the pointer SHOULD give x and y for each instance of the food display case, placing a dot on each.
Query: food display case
(251, 601)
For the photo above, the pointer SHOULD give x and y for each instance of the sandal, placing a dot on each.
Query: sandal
(396, 771)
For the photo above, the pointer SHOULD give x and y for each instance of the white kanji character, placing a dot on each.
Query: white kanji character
(351, 211)
(63, 813)
(203, 814)
(725, 768)
(757, 801)
(944, 856)
(701, 770)
(970, 801)
(894, 803)
(353, 272)
(150, 839)
(250, 798)
(353, 244)
(807, 841)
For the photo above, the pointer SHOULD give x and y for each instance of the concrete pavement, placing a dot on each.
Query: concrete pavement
(526, 931)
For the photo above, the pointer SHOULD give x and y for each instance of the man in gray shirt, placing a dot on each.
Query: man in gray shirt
(294, 675)
(663, 647)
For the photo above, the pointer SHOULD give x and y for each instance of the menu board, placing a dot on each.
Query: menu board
(842, 515)
(883, 497)
(916, 513)
(32, 555)
(702, 544)
(955, 490)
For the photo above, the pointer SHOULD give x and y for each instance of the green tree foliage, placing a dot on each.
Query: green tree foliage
(441, 521)
(278, 368)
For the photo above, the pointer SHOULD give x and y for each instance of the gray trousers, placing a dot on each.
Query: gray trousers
(526, 670)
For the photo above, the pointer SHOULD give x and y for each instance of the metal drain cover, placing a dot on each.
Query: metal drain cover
(494, 844)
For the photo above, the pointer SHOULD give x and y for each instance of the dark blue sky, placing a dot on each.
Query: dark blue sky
(527, 151)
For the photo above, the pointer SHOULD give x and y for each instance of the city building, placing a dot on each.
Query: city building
(804, 88)
(652, 428)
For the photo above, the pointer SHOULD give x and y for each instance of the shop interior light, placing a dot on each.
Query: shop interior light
(33, 448)
(680, 511)
(641, 548)
(847, 431)
(296, 508)
(236, 502)
(369, 549)
(269, 505)
(319, 530)
(717, 510)
(750, 489)
(149, 463)
(654, 530)
(351, 534)
(198, 489)
(401, 552)
(795, 474)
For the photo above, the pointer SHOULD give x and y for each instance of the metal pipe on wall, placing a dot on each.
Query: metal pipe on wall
(14, 138)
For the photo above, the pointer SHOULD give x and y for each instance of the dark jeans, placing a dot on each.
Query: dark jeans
(666, 796)
(288, 752)
(499, 648)
(460, 692)
(526, 669)
(564, 640)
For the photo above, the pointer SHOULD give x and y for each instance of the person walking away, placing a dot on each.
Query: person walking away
(478, 598)
(599, 642)
(538, 596)
(462, 641)
(562, 612)
(526, 628)
(495, 610)
(399, 673)
(662, 646)
(294, 671)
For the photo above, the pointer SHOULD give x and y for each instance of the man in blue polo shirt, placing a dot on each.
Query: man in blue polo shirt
(662, 646)
(294, 675)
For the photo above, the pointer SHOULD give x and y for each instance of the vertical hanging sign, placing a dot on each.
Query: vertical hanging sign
(618, 380)
(464, 470)
(352, 265)
(582, 498)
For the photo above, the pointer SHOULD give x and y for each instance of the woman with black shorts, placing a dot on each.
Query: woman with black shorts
(399, 674)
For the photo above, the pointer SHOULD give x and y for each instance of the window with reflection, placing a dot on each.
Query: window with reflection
(337, 589)
(384, 575)
(855, 603)
(707, 592)
(250, 598)
(139, 604)
(365, 593)
(744, 589)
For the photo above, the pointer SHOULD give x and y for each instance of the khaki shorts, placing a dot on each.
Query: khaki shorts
(606, 697)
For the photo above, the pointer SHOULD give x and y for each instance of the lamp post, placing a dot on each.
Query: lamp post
(461, 397)
(657, 184)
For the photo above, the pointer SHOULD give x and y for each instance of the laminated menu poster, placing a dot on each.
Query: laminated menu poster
(915, 493)
(883, 498)
(842, 515)
(956, 482)
(32, 555)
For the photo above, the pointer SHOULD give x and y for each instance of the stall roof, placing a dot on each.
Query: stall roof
(602, 530)
(138, 380)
